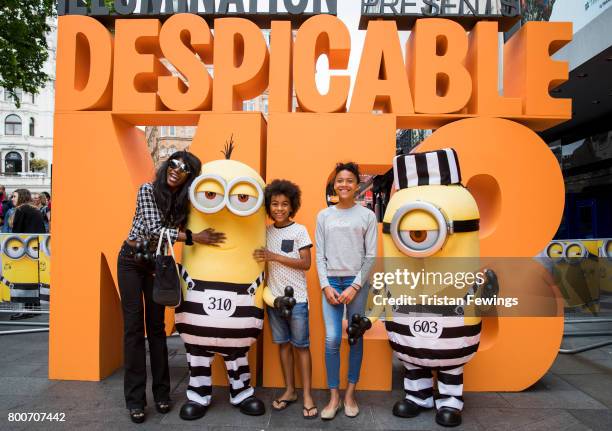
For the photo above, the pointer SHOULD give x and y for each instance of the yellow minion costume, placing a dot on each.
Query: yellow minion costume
(20, 268)
(430, 226)
(44, 268)
(222, 311)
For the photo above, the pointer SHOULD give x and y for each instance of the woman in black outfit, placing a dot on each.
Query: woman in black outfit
(162, 204)
(28, 218)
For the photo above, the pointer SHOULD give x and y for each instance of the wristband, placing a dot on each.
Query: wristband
(189, 239)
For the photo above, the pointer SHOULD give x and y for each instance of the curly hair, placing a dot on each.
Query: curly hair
(286, 188)
(353, 168)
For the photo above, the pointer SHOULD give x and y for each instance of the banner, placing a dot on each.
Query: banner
(25, 268)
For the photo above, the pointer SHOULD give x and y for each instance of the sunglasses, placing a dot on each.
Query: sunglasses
(178, 165)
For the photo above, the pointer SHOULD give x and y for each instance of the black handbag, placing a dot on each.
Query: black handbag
(167, 281)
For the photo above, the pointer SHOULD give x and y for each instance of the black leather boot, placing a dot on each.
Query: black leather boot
(406, 409)
(252, 406)
(192, 411)
(448, 417)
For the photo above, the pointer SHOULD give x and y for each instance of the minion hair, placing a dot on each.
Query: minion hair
(228, 149)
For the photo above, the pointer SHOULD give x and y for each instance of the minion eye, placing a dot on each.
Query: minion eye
(32, 247)
(242, 202)
(14, 247)
(209, 200)
(245, 197)
(555, 251)
(46, 245)
(207, 193)
(420, 240)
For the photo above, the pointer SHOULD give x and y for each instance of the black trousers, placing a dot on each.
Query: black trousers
(136, 287)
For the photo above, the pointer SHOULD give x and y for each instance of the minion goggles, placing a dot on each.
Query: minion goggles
(16, 247)
(210, 202)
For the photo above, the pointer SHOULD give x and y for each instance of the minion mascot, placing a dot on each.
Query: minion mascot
(431, 217)
(44, 268)
(20, 269)
(222, 310)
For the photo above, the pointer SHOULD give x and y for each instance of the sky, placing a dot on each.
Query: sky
(349, 11)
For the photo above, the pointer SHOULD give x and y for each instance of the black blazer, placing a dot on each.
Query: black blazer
(28, 219)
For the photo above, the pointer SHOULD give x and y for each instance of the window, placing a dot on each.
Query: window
(12, 163)
(32, 124)
(167, 131)
(12, 125)
(33, 98)
(248, 105)
(8, 98)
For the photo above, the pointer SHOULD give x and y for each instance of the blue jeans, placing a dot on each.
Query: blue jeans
(294, 330)
(333, 315)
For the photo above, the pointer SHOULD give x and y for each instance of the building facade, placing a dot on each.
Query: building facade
(26, 133)
(583, 145)
(165, 140)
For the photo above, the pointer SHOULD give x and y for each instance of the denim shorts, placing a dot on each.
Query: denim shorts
(294, 330)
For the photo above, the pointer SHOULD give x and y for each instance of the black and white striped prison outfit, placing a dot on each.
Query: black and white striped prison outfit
(24, 293)
(455, 343)
(44, 293)
(205, 334)
(439, 167)
(447, 355)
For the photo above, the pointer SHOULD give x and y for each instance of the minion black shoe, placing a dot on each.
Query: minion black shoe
(252, 406)
(192, 411)
(448, 417)
(406, 409)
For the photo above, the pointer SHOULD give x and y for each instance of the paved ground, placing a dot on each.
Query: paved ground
(575, 395)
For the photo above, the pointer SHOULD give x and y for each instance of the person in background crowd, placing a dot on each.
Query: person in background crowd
(44, 209)
(27, 218)
(48, 196)
(7, 225)
(345, 249)
(6, 204)
(36, 200)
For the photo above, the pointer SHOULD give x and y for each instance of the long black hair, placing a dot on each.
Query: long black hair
(174, 206)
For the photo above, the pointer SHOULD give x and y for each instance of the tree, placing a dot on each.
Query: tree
(537, 10)
(38, 165)
(23, 44)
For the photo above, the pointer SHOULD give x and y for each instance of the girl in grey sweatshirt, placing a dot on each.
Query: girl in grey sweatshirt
(346, 247)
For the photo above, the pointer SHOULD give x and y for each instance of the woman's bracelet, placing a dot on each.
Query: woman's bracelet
(189, 237)
(354, 286)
